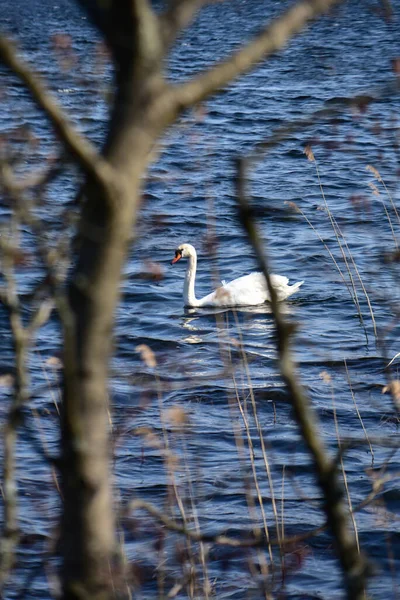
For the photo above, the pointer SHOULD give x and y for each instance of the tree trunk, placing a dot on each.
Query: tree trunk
(107, 226)
(88, 529)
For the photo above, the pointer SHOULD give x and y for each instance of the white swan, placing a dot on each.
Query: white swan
(248, 290)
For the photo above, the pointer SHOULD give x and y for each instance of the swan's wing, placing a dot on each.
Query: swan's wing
(252, 289)
(209, 300)
(282, 287)
(278, 280)
(247, 290)
(244, 291)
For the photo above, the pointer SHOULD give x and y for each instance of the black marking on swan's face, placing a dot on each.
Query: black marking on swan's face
(178, 256)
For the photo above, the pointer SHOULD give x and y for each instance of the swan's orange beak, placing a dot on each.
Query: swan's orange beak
(178, 256)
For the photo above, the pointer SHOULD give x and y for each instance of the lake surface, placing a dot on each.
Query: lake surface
(187, 432)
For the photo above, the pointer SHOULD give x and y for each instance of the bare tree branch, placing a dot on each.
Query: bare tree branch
(78, 145)
(99, 13)
(22, 338)
(147, 38)
(177, 17)
(10, 533)
(132, 31)
(325, 113)
(270, 40)
(254, 541)
(194, 535)
(354, 565)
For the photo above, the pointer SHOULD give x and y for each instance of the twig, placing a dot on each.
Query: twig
(22, 337)
(295, 207)
(195, 535)
(344, 474)
(254, 541)
(258, 426)
(354, 565)
(177, 17)
(253, 467)
(358, 412)
(79, 146)
(371, 310)
(10, 534)
(393, 359)
(338, 235)
(272, 38)
(379, 177)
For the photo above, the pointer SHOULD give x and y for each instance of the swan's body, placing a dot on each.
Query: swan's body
(248, 290)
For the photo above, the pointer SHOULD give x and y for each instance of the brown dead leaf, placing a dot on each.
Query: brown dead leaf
(176, 416)
(393, 388)
(147, 355)
(6, 380)
(309, 153)
(325, 376)
(54, 362)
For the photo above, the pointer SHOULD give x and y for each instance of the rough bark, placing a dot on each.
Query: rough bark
(107, 226)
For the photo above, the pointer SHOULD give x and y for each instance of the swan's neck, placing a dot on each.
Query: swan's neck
(189, 296)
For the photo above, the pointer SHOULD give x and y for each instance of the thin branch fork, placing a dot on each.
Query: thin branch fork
(95, 167)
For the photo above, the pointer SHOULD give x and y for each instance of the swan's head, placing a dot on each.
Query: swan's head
(183, 251)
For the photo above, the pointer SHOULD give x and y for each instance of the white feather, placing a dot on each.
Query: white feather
(248, 290)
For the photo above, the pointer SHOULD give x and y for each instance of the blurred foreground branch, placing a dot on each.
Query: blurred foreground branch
(23, 213)
(22, 338)
(255, 541)
(177, 17)
(353, 563)
(78, 145)
(273, 37)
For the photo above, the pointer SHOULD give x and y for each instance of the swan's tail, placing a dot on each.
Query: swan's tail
(292, 289)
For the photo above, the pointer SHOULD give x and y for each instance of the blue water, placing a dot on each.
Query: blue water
(208, 359)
